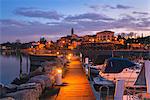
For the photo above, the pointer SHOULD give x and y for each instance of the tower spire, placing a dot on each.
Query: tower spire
(72, 31)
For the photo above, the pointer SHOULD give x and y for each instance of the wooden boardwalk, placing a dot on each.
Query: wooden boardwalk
(77, 86)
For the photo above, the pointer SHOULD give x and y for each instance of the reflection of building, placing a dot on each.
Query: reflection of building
(105, 36)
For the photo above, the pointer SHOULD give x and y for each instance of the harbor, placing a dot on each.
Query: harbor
(80, 79)
(75, 50)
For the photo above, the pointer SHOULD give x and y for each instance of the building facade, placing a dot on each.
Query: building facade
(105, 36)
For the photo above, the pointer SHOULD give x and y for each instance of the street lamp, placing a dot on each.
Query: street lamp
(59, 76)
(128, 45)
(69, 56)
(57, 53)
(59, 71)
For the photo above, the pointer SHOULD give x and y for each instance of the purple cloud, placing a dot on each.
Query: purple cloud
(117, 7)
(109, 6)
(32, 12)
(140, 13)
(122, 7)
(11, 22)
(88, 16)
(24, 29)
(95, 7)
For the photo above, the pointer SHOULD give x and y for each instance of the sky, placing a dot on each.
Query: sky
(28, 20)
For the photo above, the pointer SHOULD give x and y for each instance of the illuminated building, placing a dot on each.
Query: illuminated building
(104, 36)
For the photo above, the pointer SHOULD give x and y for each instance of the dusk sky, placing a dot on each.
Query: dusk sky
(28, 20)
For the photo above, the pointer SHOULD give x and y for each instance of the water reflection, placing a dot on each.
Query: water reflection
(10, 66)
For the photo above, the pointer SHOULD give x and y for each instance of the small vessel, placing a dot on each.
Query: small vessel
(120, 69)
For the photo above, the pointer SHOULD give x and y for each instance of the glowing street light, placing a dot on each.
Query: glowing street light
(57, 53)
(49, 42)
(70, 54)
(59, 71)
(59, 76)
(69, 57)
(63, 41)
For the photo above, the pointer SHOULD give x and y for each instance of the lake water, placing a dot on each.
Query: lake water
(10, 67)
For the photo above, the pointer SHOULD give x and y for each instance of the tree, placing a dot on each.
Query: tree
(43, 40)
(123, 35)
(18, 41)
(130, 35)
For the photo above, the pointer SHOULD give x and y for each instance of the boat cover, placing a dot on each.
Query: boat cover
(116, 65)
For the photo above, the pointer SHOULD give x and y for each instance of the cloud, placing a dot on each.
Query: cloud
(117, 7)
(94, 7)
(140, 13)
(109, 6)
(10, 22)
(24, 29)
(33, 12)
(122, 7)
(88, 16)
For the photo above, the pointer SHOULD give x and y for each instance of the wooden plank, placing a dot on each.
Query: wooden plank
(78, 87)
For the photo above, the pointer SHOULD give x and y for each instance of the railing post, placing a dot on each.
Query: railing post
(86, 62)
(89, 72)
(80, 56)
(100, 89)
(147, 75)
(119, 90)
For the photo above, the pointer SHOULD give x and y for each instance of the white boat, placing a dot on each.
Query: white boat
(120, 69)
(102, 81)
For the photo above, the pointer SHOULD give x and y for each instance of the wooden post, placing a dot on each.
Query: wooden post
(112, 53)
(27, 64)
(20, 65)
(80, 56)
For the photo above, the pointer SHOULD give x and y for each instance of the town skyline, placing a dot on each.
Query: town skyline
(130, 35)
(29, 20)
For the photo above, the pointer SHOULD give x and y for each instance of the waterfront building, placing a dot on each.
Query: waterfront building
(3, 47)
(136, 46)
(69, 41)
(6, 46)
(105, 36)
(89, 38)
(48, 44)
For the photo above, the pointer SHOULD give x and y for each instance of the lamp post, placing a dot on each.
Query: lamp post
(80, 56)
(128, 46)
(59, 77)
(87, 65)
(69, 56)
(57, 53)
